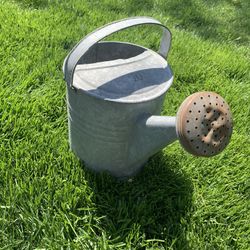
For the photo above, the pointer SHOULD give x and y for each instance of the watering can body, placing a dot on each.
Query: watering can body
(104, 134)
(115, 93)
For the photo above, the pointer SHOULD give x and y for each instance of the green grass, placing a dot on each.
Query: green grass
(48, 200)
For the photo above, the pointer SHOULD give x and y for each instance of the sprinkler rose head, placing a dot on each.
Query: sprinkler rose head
(204, 124)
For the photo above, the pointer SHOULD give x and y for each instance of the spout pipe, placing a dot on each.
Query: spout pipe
(161, 122)
(153, 133)
(160, 131)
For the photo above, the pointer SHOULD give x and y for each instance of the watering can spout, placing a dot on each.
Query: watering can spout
(203, 125)
(153, 133)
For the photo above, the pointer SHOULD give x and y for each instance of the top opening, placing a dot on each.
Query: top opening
(122, 72)
(109, 51)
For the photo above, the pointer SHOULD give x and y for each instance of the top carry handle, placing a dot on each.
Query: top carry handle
(87, 42)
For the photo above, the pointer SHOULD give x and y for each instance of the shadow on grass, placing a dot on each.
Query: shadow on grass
(202, 17)
(34, 4)
(155, 205)
(196, 16)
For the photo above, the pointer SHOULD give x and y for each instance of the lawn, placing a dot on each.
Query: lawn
(49, 200)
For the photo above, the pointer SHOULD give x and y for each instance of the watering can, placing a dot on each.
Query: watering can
(115, 92)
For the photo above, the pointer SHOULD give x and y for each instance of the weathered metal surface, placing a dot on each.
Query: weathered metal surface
(116, 137)
(204, 124)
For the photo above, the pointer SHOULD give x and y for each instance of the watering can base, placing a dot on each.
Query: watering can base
(122, 175)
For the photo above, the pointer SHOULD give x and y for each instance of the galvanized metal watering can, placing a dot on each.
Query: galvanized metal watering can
(115, 92)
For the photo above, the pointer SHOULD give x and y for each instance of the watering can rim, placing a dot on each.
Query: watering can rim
(155, 92)
(94, 37)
